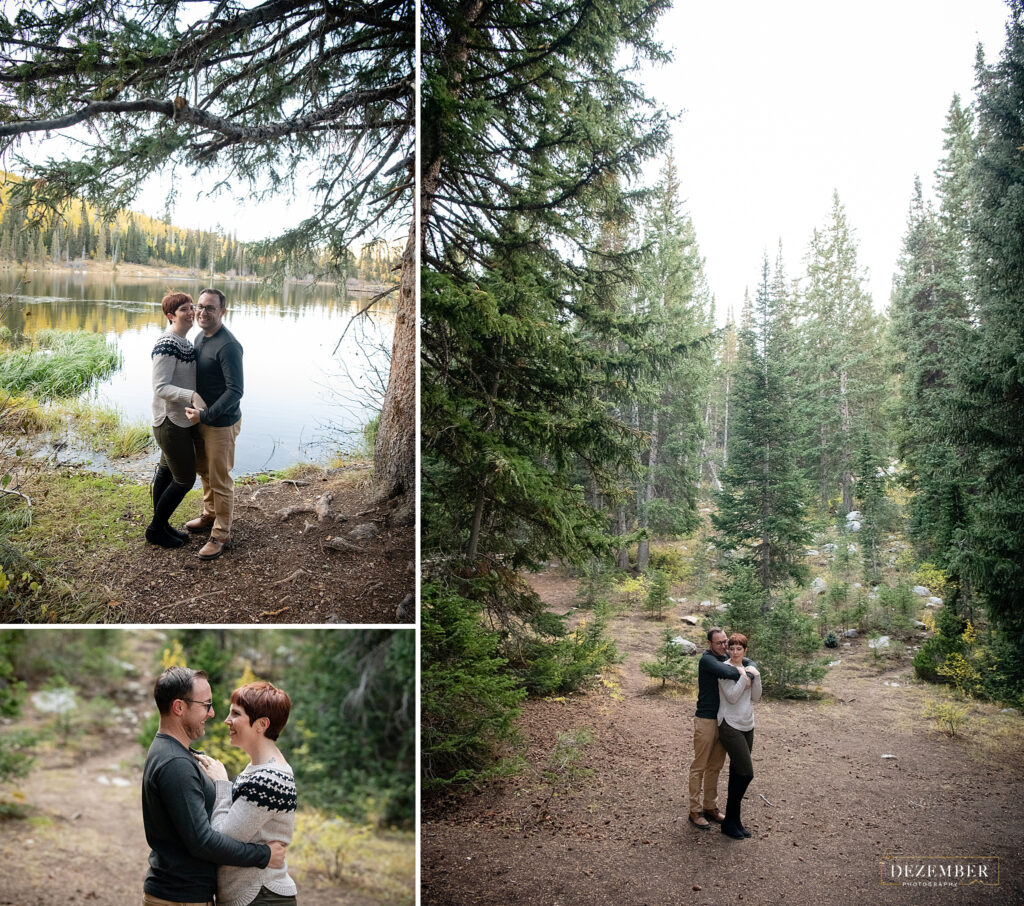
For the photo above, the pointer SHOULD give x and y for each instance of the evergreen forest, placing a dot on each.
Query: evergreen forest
(583, 406)
(81, 233)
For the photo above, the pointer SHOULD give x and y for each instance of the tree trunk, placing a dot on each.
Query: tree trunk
(847, 443)
(643, 556)
(394, 453)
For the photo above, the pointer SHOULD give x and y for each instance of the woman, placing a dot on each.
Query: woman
(260, 805)
(174, 388)
(736, 731)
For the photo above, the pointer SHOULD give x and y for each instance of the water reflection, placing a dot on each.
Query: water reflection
(302, 400)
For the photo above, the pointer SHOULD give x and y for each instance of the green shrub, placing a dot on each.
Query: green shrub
(673, 663)
(657, 597)
(674, 562)
(948, 717)
(469, 699)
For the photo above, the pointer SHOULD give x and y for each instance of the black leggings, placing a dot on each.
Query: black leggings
(739, 744)
(177, 451)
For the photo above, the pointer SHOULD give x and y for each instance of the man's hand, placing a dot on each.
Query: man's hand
(192, 415)
(277, 849)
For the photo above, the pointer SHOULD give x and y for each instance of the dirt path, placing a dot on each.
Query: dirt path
(825, 806)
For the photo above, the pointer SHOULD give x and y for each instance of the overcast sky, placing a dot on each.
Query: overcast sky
(784, 101)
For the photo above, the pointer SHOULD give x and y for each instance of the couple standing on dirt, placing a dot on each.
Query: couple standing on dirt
(727, 686)
(208, 836)
(197, 415)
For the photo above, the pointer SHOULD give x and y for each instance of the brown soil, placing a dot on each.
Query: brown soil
(278, 569)
(825, 806)
(284, 564)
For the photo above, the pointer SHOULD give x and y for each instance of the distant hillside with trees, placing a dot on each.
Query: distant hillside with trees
(80, 233)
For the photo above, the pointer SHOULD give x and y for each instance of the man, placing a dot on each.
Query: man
(178, 799)
(219, 382)
(708, 752)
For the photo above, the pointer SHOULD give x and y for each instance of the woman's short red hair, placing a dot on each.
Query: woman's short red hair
(737, 637)
(264, 700)
(173, 301)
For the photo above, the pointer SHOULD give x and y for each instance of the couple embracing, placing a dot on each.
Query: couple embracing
(197, 415)
(727, 686)
(209, 837)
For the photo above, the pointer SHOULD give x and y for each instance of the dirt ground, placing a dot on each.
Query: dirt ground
(279, 569)
(840, 785)
(285, 563)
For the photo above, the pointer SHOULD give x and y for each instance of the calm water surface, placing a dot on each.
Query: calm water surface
(303, 400)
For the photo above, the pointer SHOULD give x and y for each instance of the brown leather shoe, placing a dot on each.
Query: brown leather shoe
(212, 549)
(713, 814)
(697, 820)
(201, 523)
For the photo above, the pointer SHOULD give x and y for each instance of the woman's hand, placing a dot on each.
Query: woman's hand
(192, 415)
(211, 767)
(752, 670)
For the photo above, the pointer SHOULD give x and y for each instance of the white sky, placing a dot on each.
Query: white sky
(785, 101)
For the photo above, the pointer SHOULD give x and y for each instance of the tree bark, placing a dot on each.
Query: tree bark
(394, 452)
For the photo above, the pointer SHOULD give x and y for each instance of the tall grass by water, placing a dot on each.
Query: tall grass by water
(58, 364)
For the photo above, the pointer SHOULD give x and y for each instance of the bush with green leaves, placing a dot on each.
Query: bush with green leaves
(672, 662)
(948, 716)
(673, 561)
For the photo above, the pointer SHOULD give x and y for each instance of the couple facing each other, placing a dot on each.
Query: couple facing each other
(196, 418)
(727, 686)
(208, 836)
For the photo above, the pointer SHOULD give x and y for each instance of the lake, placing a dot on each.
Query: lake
(303, 399)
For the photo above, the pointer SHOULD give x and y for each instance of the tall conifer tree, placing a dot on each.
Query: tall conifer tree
(761, 506)
(990, 413)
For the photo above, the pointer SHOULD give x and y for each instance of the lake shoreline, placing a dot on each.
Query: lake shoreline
(173, 272)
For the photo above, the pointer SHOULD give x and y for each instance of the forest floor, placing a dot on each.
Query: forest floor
(841, 783)
(354, 565)
(82, 840)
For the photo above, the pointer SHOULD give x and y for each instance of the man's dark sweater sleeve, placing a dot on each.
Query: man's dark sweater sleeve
(187, 811)
(230, 358)
(719, 669)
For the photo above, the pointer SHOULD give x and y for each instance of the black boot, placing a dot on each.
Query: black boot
(731, 826)
(162, 479)
(159, 531)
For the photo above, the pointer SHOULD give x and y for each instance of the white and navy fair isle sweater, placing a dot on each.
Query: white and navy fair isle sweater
(174, 378)
(257, 808)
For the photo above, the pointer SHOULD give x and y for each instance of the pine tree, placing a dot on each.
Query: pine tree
(929, 321)
(989, 410)
(529, 126)
(676, 302)
(840, 374)
(761, 506)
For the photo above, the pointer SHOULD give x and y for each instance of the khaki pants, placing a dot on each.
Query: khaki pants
(215, 458)
(708, 760)
(149, 900)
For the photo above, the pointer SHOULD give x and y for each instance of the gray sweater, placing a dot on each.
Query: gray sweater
(177, 800)
(174, 378)
(257, 808)
(736, 707)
